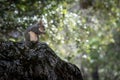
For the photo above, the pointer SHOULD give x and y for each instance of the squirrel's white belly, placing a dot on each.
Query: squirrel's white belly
(33, 36)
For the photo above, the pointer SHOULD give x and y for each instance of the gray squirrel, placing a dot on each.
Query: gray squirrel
(32, 33)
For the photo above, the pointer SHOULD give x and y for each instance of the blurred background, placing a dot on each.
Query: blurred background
(83, 32)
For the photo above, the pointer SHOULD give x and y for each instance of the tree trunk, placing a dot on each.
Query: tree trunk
(95, 74)
(84, 4)
(39, 62)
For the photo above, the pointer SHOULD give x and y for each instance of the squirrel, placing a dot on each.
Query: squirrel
(32, 33)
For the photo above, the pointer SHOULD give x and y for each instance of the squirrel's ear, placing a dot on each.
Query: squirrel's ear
(40, 22)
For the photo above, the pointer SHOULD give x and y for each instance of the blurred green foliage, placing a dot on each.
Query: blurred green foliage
(87, 37)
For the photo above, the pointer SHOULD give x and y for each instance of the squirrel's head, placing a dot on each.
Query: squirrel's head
(41, 27)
